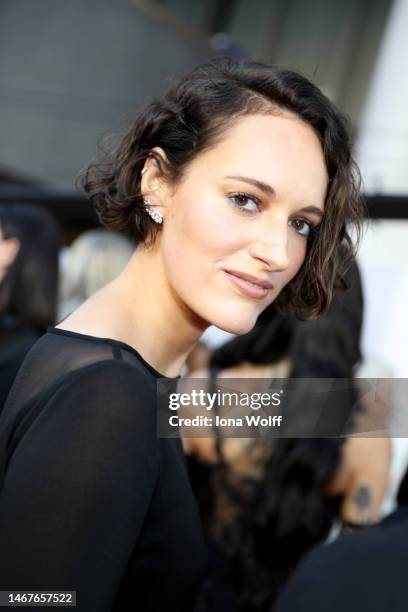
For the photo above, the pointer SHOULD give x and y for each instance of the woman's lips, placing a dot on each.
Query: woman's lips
(246, 287)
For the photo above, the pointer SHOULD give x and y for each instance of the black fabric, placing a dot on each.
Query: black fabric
(365, 570)
(91, 500)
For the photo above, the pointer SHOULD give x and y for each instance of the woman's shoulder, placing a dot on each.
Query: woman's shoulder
(111, 375)
(62, 353)
(93, 402)
(60, 365)
(108, 391)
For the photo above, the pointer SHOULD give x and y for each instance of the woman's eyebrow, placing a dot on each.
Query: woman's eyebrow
(260, 184)
(271, 192)
(313, 209)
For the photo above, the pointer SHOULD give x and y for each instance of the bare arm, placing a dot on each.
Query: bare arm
(362, 479)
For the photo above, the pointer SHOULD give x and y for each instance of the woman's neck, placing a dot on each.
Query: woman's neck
(140, 308)
(162, 326)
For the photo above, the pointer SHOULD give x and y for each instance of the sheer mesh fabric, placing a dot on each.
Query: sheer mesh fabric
(91, 500)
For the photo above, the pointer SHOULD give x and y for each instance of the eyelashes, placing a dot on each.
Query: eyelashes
(238, 199)
(249, 204)
(311, 230)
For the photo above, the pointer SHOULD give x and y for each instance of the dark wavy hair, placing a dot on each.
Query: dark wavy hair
(193, 116)
(283, 514)
(28, 292)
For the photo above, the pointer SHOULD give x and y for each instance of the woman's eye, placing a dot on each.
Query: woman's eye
(244, 202)
(302, 227)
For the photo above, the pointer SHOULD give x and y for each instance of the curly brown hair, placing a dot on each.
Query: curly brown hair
(193, 116)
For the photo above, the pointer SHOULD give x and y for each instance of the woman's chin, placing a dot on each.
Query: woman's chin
(238, 325)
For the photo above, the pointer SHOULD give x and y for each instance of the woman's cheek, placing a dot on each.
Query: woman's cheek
(297, 255)
(210, 230)
(298, 259)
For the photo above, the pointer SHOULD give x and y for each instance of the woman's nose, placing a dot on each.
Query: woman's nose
(272, 247)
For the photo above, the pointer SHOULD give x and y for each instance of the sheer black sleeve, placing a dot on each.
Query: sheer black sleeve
(78, 486)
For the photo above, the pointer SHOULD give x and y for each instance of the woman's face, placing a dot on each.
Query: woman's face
(242, 212)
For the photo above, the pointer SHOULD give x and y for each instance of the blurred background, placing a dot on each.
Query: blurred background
(73, 71)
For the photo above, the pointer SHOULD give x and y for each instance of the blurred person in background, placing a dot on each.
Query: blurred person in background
(362, 571)
(265, 503)
(29, 248)
(198, 358)
(239, 187)
(93, 260)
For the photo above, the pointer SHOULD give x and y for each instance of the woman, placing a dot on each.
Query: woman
(29, 248)
(237, 185)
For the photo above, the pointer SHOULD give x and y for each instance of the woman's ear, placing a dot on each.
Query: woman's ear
(153, 184)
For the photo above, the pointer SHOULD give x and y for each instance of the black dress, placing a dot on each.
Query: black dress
(91, 500)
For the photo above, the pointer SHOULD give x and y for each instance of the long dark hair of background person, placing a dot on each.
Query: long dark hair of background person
(28, 291)
(286, 512)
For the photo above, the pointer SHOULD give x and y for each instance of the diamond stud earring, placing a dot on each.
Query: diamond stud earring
(153, 212)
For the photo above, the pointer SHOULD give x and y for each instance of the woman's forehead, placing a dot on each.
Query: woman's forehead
(281, 151)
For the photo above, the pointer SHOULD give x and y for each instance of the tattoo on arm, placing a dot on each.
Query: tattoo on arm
(362, 500)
